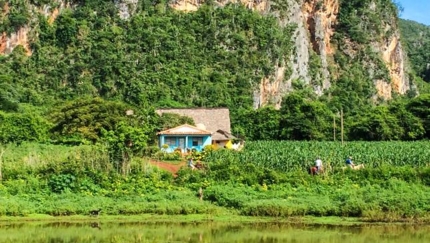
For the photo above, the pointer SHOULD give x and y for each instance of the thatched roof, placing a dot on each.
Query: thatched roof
(210, 119)
(221, 135)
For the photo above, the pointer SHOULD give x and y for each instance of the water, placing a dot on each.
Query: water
(209, 232)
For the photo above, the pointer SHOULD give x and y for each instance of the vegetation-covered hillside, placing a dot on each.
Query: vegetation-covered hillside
(416, 36)
(72, 60)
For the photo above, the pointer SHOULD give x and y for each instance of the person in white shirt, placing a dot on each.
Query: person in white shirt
(318, 164)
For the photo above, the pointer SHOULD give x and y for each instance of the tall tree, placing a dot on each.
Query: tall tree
(304, 119)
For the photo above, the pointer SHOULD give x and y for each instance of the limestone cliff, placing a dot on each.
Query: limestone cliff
(19, 37)
(313, 60)
(394, 57)
(23, 35)
(316, 22)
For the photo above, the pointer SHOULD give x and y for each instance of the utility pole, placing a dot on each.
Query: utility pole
(341, 125)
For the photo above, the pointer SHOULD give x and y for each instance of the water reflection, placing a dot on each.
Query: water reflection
(208, 232)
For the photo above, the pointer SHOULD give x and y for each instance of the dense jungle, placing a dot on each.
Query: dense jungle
(288, 70)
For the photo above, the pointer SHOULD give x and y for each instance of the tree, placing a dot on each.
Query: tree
(83, 120)
(303, 119)
(67, 29)
(419, 106)
(8, 94)
(18, 127)
(375, 125)
(170, 120)
(260, 124)
(412, 125)
(124, 142)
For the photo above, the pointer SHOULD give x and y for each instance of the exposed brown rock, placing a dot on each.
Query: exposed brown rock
(53, 15)
(384, 89)
(8, 43)
(393, 57)
(5, 9)
(320, 17)
(271, 90)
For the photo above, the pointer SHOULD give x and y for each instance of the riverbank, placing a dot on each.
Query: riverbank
(195, 218)
(321, 198)
(229, 188)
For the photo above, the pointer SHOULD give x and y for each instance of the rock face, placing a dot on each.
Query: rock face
(320, 17)
(19, 38)
(22, 36)
(9, 42)
(126, 8)
(315, 22)
(394, 57)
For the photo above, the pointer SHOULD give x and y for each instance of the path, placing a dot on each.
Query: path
(172, 168)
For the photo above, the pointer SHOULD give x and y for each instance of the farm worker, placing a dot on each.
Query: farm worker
(349, 162)
(191, 164)
(318, 164)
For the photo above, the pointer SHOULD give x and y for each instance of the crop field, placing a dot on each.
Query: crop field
(292, 155)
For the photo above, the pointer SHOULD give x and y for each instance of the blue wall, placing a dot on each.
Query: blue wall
(187, 141)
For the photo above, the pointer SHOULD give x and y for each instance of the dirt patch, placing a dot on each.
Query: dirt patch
(172, 168)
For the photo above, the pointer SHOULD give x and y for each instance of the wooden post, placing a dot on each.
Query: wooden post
(334, 127)
(1, 163)
(201, 194)
(341, 125)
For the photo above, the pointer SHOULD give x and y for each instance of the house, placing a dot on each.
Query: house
(216, 121)
(184, 137)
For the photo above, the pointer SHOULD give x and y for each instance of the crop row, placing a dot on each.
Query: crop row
(292, 155)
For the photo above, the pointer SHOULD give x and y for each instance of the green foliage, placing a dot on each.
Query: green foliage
(315, 67)
(125, 141)
(171, 120)
(354, 88)
(416, 40)
(85, 119)
(62, 182)
(18, 15)
(8, 94)
(412, 125)
(162, 58)
(66, 30)
(304, 119)
(419, 106)
(288, 156)
(17, 128)
(376, 125)
(208, 58)
(260, 124)
(357, 63)
(80, 179)
(362, 20)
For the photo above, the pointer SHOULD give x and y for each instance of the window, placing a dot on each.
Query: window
(171, 141)
(197, 141)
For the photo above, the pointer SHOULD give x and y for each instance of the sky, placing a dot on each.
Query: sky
(417, 10)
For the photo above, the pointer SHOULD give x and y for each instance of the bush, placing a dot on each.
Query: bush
(17, 128)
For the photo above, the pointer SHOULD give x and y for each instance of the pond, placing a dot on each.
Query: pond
(208, 232)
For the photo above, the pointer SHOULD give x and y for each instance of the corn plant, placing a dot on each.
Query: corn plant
(295, 155)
